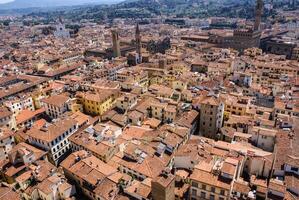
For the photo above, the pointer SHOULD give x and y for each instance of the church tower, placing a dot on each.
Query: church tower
(258, 14)
(115, 43)
(138, 44)
(293, 4)
(61, 31)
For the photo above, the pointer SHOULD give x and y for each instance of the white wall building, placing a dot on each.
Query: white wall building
(7, 142)
(264, 138)
(54, 138)
(19, 104)
(56, 105)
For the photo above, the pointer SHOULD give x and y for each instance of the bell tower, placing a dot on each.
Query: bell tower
(115, 43)
(138, 44)
(258, 14)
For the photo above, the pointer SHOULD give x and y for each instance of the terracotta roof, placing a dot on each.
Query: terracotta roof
(134, 132)
(210, 100)
(187, 118)
(5, 133)
(260, 184)
(27, 148)
(4, 112)
(264, 131)
(80, 117)
(88, 167)
(53, 131)
(277, 185)
(107, 189)
(139, 188)
(39, 123)
(7, 193)
(46, 185)
(151, 167)
(24, 177)
(164, 180)
(152, 122)
(209, 179)
(44, 169)
(56, 100)
(228, 168)
(292, 161)
(26, 115)
(241, 186)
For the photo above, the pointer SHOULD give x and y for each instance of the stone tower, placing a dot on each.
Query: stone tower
(293, 4)
(258, 14)
(138, 44)
(163, 187)
(116, 44)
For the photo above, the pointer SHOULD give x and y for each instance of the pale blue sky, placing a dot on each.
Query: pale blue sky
(5, 1)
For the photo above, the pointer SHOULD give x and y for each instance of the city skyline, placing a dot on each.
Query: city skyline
(150, 100)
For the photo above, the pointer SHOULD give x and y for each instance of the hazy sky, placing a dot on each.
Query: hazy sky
(5, 1)
(87, 1)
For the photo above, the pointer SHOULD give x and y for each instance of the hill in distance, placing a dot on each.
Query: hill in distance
(21, 4)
